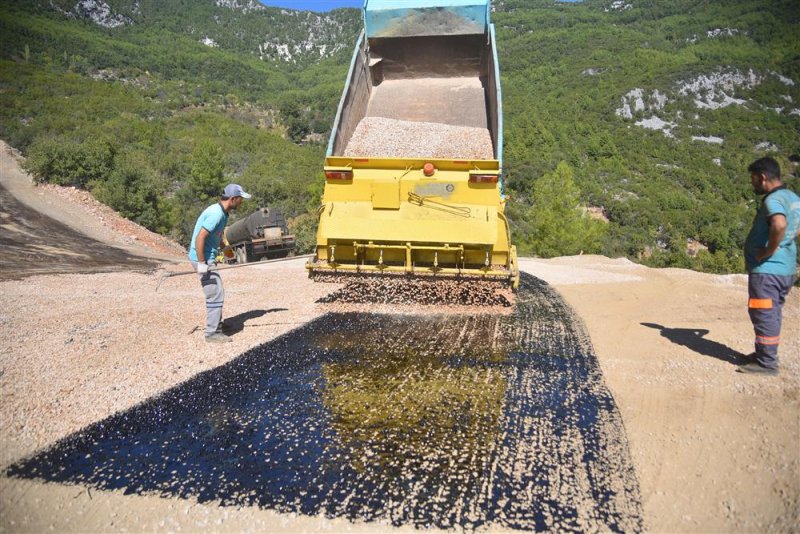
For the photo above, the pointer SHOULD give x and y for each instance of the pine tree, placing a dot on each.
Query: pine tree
(558, 225)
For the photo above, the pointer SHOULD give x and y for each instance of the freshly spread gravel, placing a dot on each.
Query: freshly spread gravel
(398, 294)
(393, 138)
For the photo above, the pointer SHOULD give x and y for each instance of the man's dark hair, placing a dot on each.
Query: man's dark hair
(767, 166)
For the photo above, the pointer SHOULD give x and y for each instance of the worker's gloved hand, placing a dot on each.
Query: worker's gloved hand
(202, 268)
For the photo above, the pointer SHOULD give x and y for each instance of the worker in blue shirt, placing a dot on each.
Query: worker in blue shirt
(770, 253)
(203, 249)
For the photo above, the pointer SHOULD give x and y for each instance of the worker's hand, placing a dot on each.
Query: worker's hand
(202, 267)
(762, 253)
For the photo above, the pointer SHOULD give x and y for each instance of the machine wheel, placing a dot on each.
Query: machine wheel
(241, 255)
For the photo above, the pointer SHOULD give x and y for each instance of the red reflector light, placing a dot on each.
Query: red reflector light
(428, 169)
(339, 175)
(483, 178)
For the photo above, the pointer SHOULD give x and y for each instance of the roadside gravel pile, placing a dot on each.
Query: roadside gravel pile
(56, 225)
(393, 138)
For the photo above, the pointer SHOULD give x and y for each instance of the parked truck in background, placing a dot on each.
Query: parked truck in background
(261, 235)
(414, 163)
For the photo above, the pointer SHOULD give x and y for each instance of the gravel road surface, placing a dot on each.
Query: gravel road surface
(446, 421)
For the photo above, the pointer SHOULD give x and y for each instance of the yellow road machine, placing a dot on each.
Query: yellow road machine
(413, 166)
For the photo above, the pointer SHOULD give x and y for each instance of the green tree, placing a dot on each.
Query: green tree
(64, 161)
(294, 110)
(130, 190)
(304, 228)
(208, 166)
(558, 225)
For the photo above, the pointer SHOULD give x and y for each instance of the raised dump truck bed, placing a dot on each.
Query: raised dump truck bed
(418, 81)
(413, 168)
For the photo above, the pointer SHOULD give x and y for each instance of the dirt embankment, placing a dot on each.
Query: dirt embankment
(52, 229)
(713, 450)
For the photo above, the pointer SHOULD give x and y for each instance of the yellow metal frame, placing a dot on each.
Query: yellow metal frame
(392, 218)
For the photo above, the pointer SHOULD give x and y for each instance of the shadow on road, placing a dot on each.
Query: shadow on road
(693, 338)
(235, 324)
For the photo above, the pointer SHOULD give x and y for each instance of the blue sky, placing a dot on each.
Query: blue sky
(314, 5)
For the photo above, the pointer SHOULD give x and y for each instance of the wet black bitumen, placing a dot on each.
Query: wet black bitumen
(445, 421)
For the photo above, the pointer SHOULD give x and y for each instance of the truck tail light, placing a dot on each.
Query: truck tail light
(339, 175)
(483, 178)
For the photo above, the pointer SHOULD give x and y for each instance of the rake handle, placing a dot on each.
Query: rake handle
(226, 267)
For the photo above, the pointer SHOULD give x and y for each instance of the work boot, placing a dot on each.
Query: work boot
(756, 369)
(224, 328)
(218, 337)
(747, 358)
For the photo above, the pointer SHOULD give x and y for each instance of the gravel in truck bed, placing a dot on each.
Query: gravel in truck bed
(393, 138)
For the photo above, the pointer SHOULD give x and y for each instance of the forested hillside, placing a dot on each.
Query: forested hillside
(629, 125)
(658, 107)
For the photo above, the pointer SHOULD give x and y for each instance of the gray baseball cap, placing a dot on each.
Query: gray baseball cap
(235, 190)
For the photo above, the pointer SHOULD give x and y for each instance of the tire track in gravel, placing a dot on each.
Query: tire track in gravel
(444, 421)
